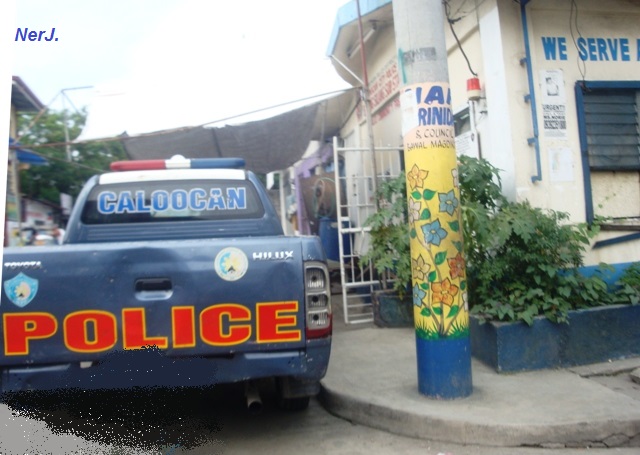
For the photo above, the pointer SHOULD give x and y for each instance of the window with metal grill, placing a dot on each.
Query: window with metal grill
(609, 122)
(613, 130)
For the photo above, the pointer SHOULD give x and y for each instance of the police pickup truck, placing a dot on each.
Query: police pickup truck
(172, 273)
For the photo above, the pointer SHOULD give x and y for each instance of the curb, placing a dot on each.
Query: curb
(610, 433)
(372, 381)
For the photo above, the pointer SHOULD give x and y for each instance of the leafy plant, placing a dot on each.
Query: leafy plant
(628, 286)
(480, 183)
(480, 197)
(525, 266)
(389, 251)
(521, 261)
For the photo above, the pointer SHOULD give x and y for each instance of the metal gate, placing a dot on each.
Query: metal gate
(356, 181)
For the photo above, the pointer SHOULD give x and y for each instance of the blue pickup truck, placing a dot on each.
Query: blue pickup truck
(172, 273)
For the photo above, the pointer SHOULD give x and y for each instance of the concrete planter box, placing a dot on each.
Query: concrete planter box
(389, 310)
(593, 335)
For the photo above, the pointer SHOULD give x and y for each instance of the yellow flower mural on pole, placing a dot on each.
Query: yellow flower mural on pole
(443, 348)
(437, 259)
(416, 177)
(444, 292)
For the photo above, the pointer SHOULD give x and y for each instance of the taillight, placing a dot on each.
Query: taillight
(317, 300)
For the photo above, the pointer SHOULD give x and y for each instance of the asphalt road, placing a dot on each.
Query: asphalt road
(204, 421)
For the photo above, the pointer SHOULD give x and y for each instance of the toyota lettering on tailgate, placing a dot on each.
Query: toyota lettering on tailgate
(92, 331)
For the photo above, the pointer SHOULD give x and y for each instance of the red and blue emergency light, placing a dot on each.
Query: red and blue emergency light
(179, 162)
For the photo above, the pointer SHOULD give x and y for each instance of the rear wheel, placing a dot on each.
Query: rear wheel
(293, 394)
(293, 404)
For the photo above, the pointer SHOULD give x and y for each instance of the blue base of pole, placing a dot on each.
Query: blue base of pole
(444, 368)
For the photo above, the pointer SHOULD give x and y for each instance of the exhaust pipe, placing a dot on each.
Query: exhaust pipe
(254, 402)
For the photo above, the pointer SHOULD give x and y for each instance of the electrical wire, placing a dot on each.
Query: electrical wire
(453, 32)
(457, 12)
(474, 8)
(36, 118)
(573, 20)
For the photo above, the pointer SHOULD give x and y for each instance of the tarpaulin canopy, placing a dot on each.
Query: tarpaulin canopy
(27, 156)
(267, 145)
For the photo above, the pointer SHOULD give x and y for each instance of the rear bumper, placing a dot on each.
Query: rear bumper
(151, 368)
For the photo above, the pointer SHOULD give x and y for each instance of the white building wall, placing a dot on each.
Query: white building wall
(491, 34)
(503, 135)
(505, 122)
(562, 188)
(385, 112)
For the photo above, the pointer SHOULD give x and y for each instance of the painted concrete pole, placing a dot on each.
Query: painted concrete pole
(437, 258)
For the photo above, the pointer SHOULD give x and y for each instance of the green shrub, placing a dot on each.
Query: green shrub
(521, 261)
(389, 250)
(524, 266)
(628, 286)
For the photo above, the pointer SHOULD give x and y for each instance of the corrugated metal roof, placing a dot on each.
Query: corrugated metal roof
(23, 98)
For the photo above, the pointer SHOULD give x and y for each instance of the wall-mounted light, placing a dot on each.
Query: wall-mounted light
(353, 51)
(473, 89)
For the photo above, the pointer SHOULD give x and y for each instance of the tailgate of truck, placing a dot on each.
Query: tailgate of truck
(188, 298)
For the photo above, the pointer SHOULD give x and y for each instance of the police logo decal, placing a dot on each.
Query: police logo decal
(21, 289)
(231, 264)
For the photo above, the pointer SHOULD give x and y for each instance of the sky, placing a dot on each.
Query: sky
(159, 64)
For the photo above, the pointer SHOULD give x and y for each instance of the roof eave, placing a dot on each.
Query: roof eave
(23, 98)
(347, 14)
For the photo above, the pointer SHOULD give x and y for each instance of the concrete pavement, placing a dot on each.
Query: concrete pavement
(372, 380)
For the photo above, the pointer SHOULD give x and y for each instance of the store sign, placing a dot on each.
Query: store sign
(593, 49)
(385, 85)
(383, 91)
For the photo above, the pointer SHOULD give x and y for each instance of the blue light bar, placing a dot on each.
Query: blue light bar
(218, 163)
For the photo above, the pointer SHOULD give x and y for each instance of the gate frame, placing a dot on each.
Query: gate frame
(358, 283)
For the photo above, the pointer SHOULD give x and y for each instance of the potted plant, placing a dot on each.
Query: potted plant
(531, 304)
(389, 251)
(593, 320)
(389, 254)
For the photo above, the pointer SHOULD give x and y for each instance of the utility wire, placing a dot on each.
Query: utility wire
(453, 32)
(70, 102)
(573, 20)
(72, 163)
(473, 8)
(37, 117)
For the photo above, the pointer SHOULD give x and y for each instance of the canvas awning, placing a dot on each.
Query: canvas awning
(267, 145)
